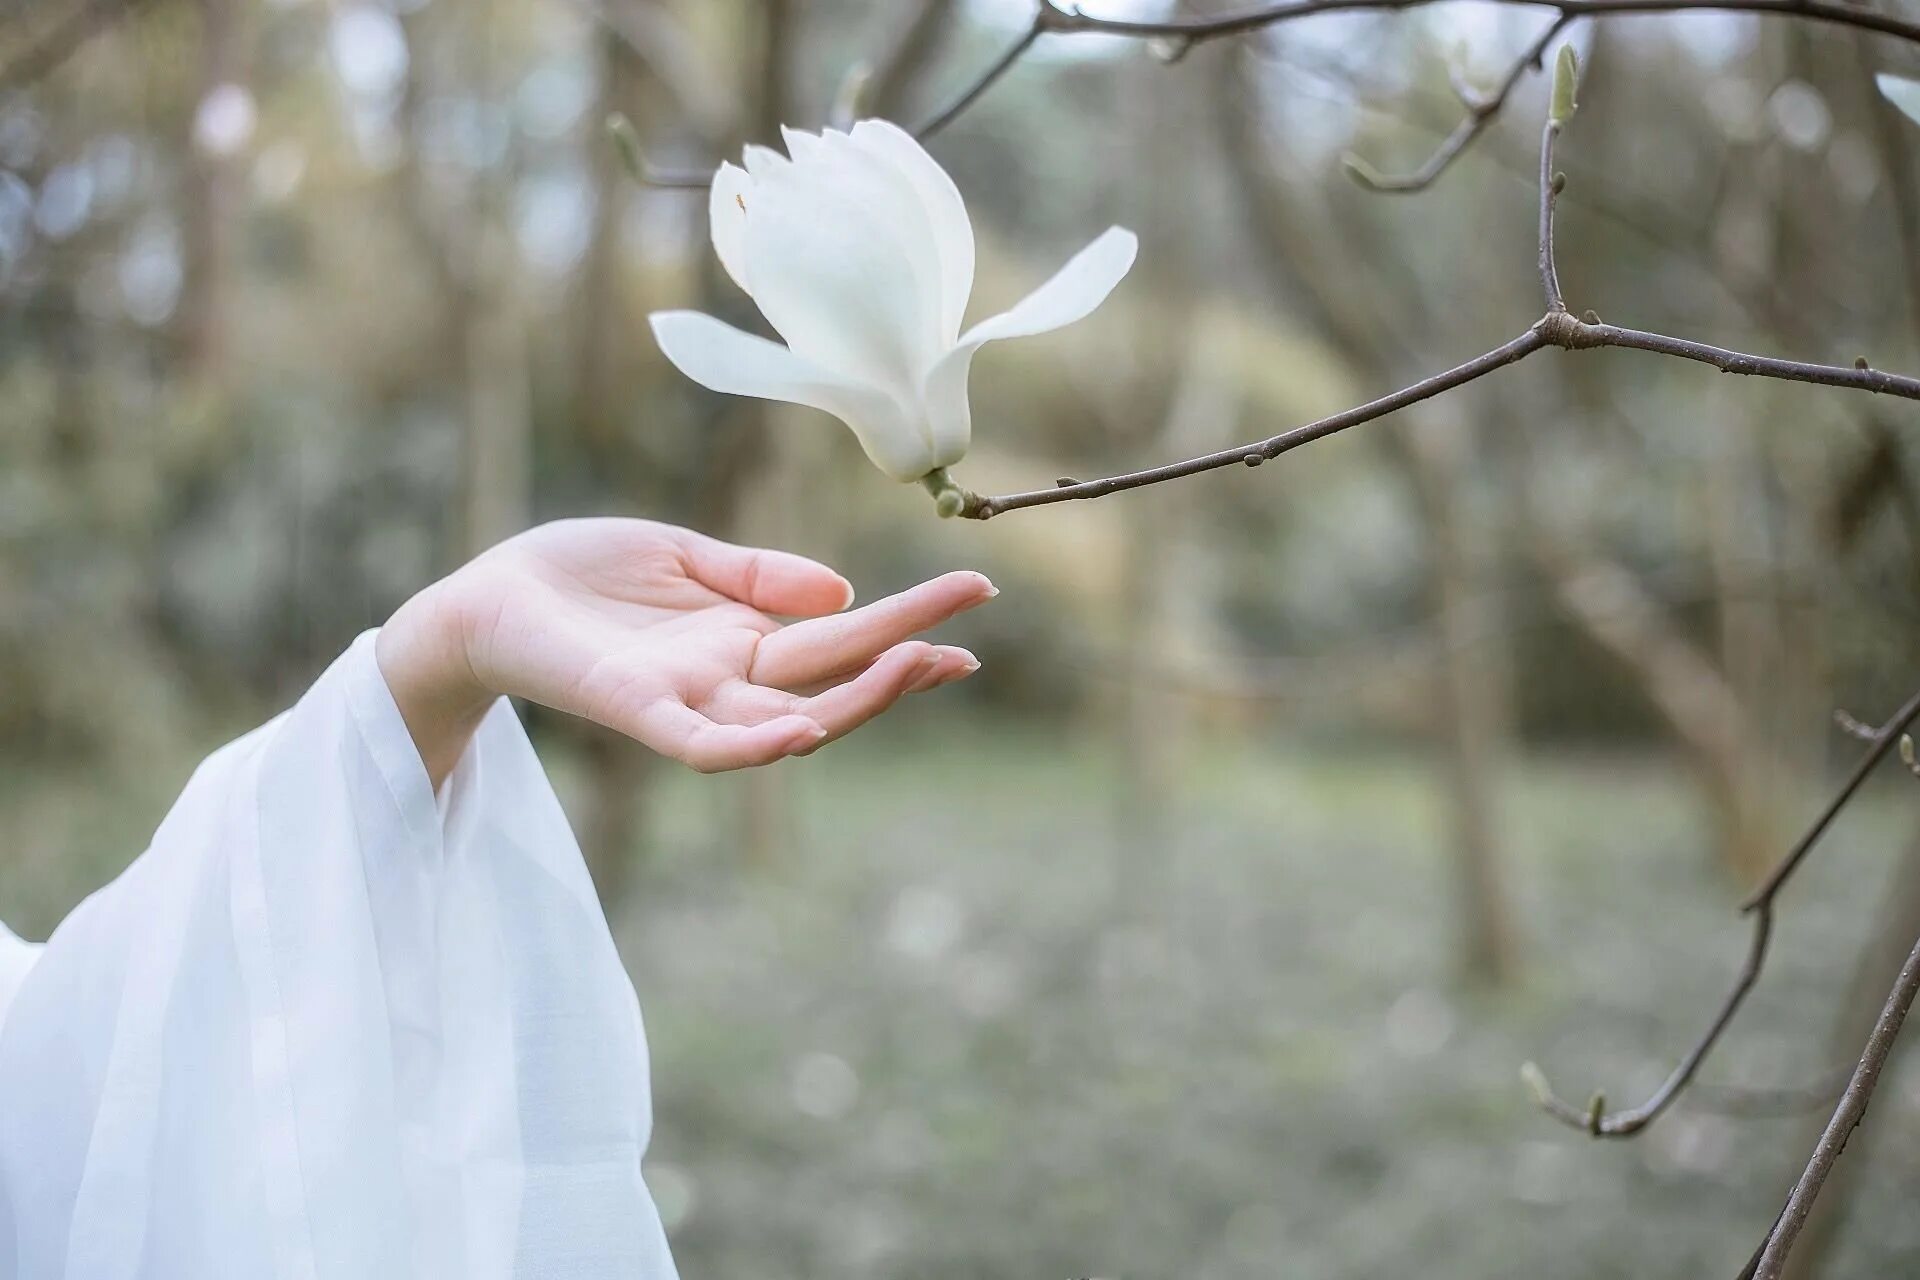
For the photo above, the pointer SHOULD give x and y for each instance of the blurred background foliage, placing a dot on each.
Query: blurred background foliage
(1201, 934)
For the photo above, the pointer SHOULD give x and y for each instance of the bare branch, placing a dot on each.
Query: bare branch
(1480, 113)
(700, 180)
(667, 49)
(1180, 35)
(1252, 455)
(988, 78)
(1620, 1124)
(1198, 30)
(1846, 1117)
(1557, 328)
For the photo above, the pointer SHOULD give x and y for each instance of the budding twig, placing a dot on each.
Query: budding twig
(1480, 113)
(1760, 905)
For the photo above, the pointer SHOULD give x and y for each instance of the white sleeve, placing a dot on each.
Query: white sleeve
(328, 1029)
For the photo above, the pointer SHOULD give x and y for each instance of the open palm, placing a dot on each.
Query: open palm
(673, 638)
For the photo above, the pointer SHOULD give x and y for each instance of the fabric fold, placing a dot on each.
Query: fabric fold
(331, 1026)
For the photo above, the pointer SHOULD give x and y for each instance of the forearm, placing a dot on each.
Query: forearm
(423, 655)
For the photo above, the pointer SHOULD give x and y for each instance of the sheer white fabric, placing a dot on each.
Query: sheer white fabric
(326, 1028)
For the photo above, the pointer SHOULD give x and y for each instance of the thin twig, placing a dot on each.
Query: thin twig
(1550, 187)
(1259, 451)
(1198, 30)
(1051, 19)
(1480, 113)
(1619, 1124)
(986, 79)
(1846, 1117)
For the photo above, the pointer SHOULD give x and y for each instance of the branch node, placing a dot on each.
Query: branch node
(1255, 459)
(1582, 333)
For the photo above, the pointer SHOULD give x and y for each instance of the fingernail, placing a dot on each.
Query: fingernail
(805, 739)
(960, 674)
(848, 602)
(992, 590)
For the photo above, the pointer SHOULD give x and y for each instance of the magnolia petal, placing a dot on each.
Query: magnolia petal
(832, 277)
(722, 358)
(884, 192)
(946, 213)
(1902, 93)
(1073, 292)
(727, 214)
(802, 145)
(764, 162)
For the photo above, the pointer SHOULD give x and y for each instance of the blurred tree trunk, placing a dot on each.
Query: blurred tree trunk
(1468, 698)
(1144, 412)
(620, 773)
(208, 208)
(1469, 680)
(1609, 603)
(497, 479)
(1152, 717)
(901, 60)
(758, 798)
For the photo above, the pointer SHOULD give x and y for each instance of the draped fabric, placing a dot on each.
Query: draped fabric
(331, 1027)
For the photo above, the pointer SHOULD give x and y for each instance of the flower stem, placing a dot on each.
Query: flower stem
(949, 499)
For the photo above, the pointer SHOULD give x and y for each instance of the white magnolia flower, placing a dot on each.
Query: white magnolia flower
(858, 251)
(1902, 93)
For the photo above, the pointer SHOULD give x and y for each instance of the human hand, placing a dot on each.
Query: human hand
(667, 636)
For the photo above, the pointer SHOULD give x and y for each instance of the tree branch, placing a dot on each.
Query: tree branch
(1480, 113)
(986, 79)
(1556, 328)
(1198, 30)
(1846, 1117)
(1052, 19)
(1252, 455)
(1594, 1118)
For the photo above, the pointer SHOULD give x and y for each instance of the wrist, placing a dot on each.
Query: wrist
(423, 655)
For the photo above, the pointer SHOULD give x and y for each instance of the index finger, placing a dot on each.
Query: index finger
(823, 647)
